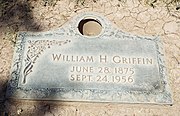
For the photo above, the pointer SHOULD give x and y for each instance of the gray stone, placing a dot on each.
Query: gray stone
(112, 66)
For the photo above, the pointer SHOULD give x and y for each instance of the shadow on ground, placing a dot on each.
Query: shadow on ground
(34, 108)
(15, 15)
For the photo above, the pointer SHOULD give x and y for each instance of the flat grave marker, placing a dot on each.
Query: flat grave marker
(75, 64)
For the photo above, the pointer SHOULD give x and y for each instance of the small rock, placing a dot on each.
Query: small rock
(19, 111)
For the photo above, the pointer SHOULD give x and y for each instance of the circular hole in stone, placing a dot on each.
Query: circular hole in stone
(89, 27)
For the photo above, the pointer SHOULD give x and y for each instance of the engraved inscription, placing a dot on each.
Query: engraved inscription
(67, 58)
(137, 60)
(103, 59)
(102, 74)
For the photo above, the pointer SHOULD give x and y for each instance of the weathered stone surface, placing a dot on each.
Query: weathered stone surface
(113, 66)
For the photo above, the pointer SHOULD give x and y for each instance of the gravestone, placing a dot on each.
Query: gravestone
(95, 63)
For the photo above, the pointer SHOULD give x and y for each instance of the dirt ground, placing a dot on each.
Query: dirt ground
(138, 17)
